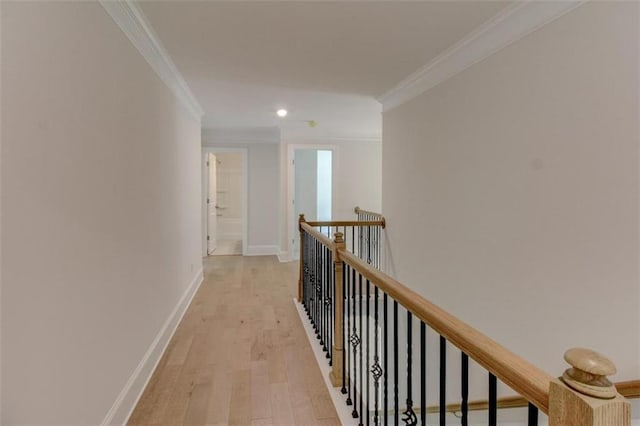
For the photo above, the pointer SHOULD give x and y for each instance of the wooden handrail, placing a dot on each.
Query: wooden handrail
(358, 210)
(517, 373)
(347, 223)
(629, 389)
(316, 234)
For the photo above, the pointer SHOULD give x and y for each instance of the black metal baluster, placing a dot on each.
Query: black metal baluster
(464, 407)
(396, 408)
(423, 375)
(362, 413)
(325, 295)
(331, 274)
(443, 381)
(376, 371)
(345, 297)
(385, 357)
(368, 301)
(355, 340)
(409, 415)
(315, 283)
(532, 415)
(348, 348)
(493, 400)
(319, 290)
(311, 277)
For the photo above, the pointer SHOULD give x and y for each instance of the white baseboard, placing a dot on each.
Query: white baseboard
(284, 256)
(262, 250)
(128, 398)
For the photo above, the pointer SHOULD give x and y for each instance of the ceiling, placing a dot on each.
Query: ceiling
(324, 61)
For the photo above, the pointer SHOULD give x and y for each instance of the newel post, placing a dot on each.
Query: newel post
(338, 350)
(301, 271)
(583, 396)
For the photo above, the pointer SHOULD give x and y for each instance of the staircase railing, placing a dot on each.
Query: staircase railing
(391, 350)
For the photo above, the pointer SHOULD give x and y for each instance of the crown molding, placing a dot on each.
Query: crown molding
(131, 20)
(330, 139)
(220, 135)
(508, 26)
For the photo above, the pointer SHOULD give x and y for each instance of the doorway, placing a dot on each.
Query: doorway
(225, 204)
(312, 189)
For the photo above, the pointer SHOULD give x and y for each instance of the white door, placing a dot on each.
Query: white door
(212, 204)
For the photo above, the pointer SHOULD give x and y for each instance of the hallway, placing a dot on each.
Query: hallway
(240, 355)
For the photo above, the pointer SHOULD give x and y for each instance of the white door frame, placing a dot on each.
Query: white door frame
(291, 190)
(244, 198)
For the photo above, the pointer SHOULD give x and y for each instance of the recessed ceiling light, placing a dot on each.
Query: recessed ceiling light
(282, 113)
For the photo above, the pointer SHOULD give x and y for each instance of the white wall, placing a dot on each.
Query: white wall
(511, 190)
(100, 211)
(359, 178)
(264, 192)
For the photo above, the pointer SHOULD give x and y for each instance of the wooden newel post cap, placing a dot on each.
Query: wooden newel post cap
(338, 237)
(301, 217)
(589, 372)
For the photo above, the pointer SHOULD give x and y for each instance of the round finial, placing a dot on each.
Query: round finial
(357, 209)
(301, 217)
(338, 237)
(589, 372)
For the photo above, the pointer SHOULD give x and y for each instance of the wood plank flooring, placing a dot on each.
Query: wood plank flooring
(240, 356)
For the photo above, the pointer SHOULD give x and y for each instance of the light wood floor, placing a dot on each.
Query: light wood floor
(240, 355)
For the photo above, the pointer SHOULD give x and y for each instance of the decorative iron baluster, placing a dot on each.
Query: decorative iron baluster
(361, 349)
(329, 302)
(318, 302)
(409, 416)
(368, 302)
(376, 370)
(348, 348)
(345, 309)
(355, 341)
(385, 357)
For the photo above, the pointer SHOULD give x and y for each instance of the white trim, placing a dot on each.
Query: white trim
(251, 135)
(131, 20)
(126, 401)
(331, 139)
(262, 251)
(508, 26)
